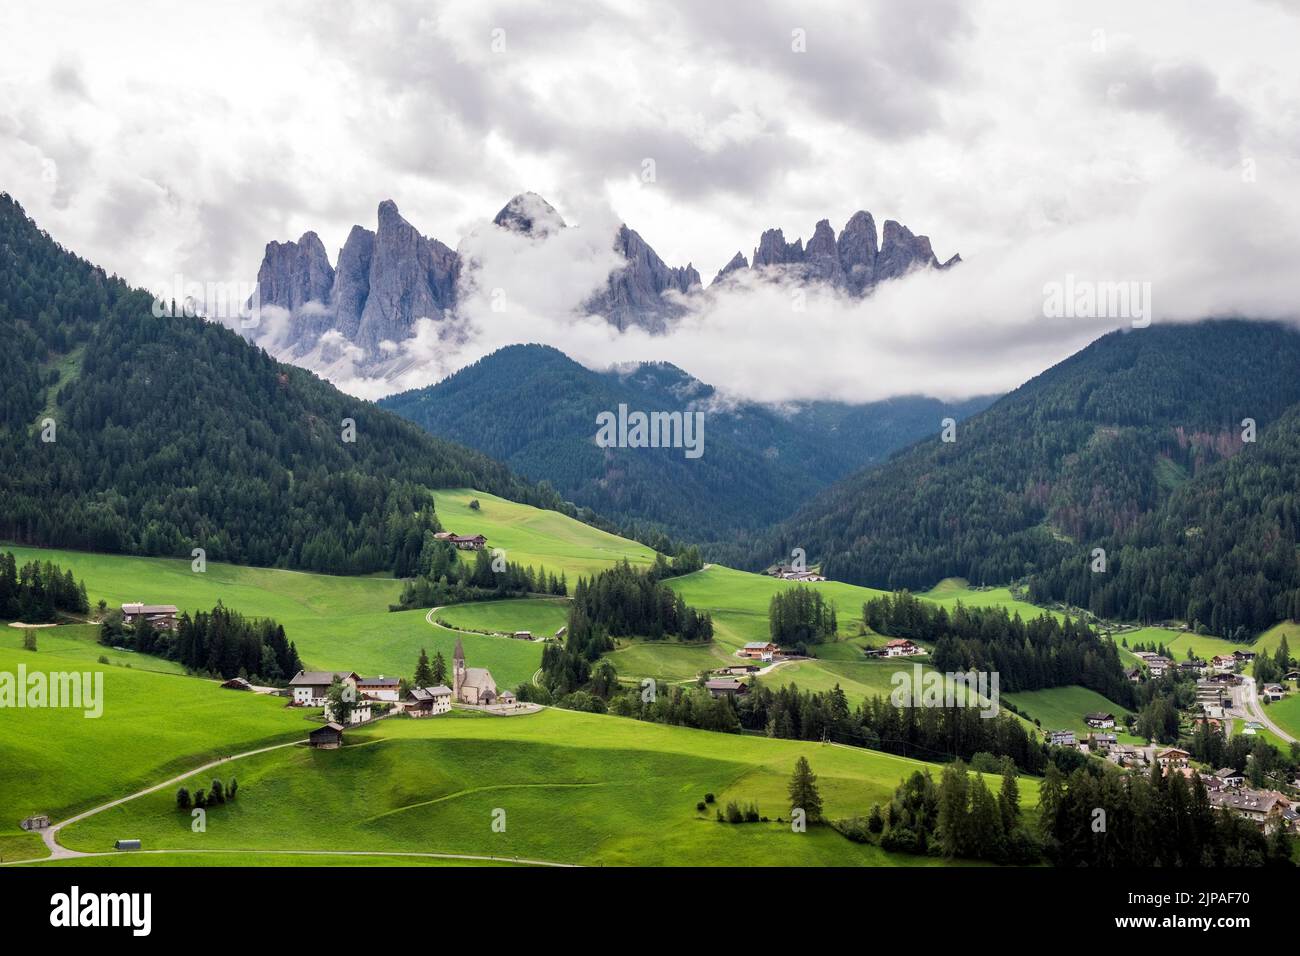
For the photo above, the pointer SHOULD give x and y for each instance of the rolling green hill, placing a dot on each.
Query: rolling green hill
(625, 791)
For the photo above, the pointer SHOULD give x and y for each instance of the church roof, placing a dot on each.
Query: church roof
(480, 678)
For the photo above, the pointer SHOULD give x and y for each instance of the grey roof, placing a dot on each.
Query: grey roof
(429, 693)
(757, 644)
(378, 682)
(317, 678)
(330, 726)
(723, 683)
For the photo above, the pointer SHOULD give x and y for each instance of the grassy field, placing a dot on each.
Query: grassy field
(542, 616)
(1286, 714)
(254, 858)
(534, 537)
(667, 660)
(578, 788)
(56, 760)
(1062, 708)
(16, 844)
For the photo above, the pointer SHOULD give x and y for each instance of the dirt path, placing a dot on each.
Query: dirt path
(59, 852)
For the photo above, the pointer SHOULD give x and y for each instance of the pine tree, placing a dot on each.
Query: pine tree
(803, 791)
(424, 675)
(439, 669)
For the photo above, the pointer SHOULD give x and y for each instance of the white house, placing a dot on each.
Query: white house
(379, 688)
(1274, 692)
(311, 687)
(428, 701)
(902, 648)
(359, 714)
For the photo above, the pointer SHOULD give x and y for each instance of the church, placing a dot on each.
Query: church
(472, 685)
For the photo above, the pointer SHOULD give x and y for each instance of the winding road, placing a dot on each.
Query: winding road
(1250, 700)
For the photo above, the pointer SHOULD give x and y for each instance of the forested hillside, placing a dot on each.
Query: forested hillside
(174, 433)
(534, 408)
(1221, 552)
(1081, 455)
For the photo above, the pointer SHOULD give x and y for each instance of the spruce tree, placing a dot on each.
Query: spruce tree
(803, 791)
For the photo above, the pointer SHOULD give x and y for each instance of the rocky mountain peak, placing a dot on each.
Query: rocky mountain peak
(531, 215)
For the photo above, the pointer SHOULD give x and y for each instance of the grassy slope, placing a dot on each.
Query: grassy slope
(57, 760)
(542, 616)
(530, 536)
(1062, 708)
(575, 788)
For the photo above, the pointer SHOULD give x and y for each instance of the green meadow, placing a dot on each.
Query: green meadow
(1062, 708)
(531, 536)
(574, 788)
(255, 858)
(58, 761)
(541, 616)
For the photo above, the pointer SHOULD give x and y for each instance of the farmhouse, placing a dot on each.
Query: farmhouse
(468, 542)
(379, 688)
(359, 714)
(1274, 692)
(311, 687)
(1134, 674)
(161, 617)
(726, 687)
(328, 737)
(902, 648)
(1062, 738)
(1267, 809)
(1230, 778)
(759, 650)
(1244, 656)
(428, 701)
(1104, 741)
(1099, 720)
(471, 685)
(1173, 757)
(1224, 663)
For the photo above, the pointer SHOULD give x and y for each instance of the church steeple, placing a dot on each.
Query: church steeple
(457, 670)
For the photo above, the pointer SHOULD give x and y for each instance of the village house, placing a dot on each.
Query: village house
(1126, 755)
(379, 688)
(1172, 757)
(1274, 692)
(428, 701)
(1062, 738)
(1099, 720)
(1224, 663)
(759, 650)
(1245, 657)
(468, 542)
(1230, 778)
(1103, 741)
(1158, 665)
(37, 821)
(522, 635)
(788, 572)
(902, 648)
(328, 737)
(161, 617)
(726, 687)
(360, 713)
(1267, 809)
(1134, 674)
(507, 697)
(310, 688)
(471, 685)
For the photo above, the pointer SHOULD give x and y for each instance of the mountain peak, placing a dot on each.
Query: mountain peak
(530, 215)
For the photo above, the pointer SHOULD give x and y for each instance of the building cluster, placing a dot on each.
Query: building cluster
(788, 572)
(464, 542)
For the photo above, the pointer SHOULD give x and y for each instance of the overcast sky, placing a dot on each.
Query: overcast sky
(1157, 141)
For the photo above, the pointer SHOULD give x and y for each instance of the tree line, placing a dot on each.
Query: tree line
(37, 591)
(1027, 655)
(219, 642)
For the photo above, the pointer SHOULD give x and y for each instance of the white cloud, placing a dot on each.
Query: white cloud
(162, 138)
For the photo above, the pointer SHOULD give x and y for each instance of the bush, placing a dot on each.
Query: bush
(751, 813)
(900, 840)
(855, 828)
(708, 798)
(103, 658)
(182, 799)
(700, 807)
(734, 814)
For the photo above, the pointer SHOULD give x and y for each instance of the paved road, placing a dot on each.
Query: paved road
(1250, 698)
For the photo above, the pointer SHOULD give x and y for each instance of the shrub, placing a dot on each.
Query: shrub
(182, 799)
(734, 814)
(708, 798)
(700, 807)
